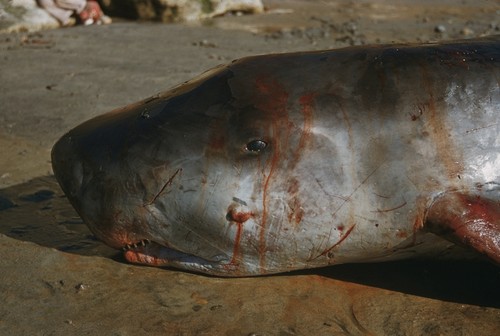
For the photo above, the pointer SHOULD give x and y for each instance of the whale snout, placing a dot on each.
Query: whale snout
(85, 163)
(67, 166)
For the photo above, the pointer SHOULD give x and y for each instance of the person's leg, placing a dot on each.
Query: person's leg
(62, 15)
(74, 5)
(89, 12)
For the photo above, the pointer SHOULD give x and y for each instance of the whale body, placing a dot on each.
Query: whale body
(281, 162)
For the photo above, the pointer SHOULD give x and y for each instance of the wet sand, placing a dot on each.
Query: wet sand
(57, 279)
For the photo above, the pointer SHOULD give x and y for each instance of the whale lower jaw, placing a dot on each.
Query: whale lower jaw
(151, 253)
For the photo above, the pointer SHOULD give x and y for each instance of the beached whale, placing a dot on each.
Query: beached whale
(289, 161)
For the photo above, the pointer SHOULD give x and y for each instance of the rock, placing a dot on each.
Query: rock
(439, 29)
(221, 7)
(24, 16)
(466, 31)
(178, 10)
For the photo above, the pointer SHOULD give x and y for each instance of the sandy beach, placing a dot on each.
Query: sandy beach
(56, 279)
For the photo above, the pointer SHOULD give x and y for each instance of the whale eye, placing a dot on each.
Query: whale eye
(255, 146)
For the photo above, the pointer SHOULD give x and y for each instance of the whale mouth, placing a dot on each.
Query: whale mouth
(148, 252)
(140, 243)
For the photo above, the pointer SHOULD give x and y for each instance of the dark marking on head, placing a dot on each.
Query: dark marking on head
(415, 116)
(145, 114)
(240, 201)
(401, 234)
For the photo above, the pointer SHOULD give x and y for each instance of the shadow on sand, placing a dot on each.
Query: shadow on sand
(38, 211)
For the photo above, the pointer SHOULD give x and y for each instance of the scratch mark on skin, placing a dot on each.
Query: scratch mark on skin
(480, 128)
(437, 126)
(411, 181)
(345, 199)
(190, 231)
(205, 200)
(392, 209)
(347, 233)
(205, 240)
(168, 183)
(316, 248)
(348, 198)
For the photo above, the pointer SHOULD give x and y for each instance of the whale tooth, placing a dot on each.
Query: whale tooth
(131, 246)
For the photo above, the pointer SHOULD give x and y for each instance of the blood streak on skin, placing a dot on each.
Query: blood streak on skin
(417, 226)
(342, 238)
(296, 211)
(306, 102)
(238, 218)
(272, 98)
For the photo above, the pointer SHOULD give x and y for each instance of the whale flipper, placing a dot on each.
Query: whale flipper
(467, 220)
